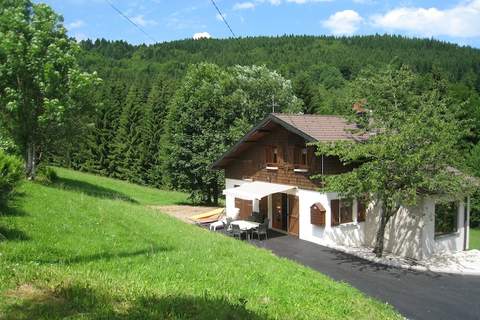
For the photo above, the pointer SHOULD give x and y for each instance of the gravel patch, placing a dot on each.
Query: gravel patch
(463, 262)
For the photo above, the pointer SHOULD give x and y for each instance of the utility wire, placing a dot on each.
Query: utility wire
(223, 18)
(129, 20)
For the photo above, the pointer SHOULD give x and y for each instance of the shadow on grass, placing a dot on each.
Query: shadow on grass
(90, 189)
(28, 302)
(12, 212)
(11, 234)
(104, 256)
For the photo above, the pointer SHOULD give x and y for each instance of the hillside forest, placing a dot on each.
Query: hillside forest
(165, 112)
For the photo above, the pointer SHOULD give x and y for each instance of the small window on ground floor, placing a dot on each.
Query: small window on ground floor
(446, 215)
(342, 211)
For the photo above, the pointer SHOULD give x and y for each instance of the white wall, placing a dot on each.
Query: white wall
(350, 234)
(410, 233)
(403, 233)
(444, 243)
(230, 200)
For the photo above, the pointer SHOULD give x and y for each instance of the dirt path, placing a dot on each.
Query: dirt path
(183, 212)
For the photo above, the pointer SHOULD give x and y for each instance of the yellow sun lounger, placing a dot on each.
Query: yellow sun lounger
(207, 217)
(210, 214)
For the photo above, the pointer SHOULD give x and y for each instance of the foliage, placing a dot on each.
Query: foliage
(10, 176)
(75, 250)
(6, 144)
(41, 85)
(47, 174)
(211, 110)
(322, 70)
(412, 145)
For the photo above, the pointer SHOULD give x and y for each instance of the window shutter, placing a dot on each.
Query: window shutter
(335, 209)
(361, 210)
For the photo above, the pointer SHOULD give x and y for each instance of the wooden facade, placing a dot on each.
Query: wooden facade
(277, 158)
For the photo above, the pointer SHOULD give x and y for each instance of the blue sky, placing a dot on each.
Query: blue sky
(455, 21)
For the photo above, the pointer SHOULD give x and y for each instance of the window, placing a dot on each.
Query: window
(303, 156)
(271, 154)
(342, 211)
(300, 156)
(446, 215)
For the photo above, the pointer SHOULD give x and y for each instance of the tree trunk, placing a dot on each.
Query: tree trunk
(31, 165)
(215, 193)
(385, 215)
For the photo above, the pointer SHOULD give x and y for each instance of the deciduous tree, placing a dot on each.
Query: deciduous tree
(411, 150)
(41, 85)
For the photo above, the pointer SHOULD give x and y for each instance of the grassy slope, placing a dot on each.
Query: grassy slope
(85, 251)
(474, 239)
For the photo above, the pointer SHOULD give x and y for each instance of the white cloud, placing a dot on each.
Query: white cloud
(141, 21)
(462, 20)
(201, 35)
(343, 22)
(76, 24)
(244, 5)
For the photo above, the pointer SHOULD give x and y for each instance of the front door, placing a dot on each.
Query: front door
(279, 216)
(293, 215)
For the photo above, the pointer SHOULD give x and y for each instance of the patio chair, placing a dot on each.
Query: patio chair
(261, 230)
(237, 232)
(226, 226)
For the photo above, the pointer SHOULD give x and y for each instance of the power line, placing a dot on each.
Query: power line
(129, 20)
(223, 18)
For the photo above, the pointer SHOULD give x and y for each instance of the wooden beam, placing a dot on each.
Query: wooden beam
(264, 130)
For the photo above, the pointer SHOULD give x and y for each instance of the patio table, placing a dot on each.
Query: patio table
(246, 225)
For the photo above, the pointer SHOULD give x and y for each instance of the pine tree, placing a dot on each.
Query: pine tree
(126, 156)
(156, 108)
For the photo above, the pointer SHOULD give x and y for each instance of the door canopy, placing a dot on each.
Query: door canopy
(257, 190)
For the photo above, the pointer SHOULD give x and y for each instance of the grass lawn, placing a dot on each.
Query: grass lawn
(88, 248)
(474, 239)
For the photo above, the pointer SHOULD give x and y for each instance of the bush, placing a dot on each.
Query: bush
(47, 174)
(11, 173)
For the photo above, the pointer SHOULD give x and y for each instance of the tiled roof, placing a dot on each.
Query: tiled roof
(319, 127)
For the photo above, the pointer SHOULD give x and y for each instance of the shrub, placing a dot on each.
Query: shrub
(11, 173)
(47, 174)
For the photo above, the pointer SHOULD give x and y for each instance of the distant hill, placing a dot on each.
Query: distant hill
(290, 55)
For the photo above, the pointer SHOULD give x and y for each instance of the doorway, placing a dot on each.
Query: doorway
(285, 213)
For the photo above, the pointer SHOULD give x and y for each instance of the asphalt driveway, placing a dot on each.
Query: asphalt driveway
(416, 295)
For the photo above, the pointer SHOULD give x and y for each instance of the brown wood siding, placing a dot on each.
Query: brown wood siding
(251, 164)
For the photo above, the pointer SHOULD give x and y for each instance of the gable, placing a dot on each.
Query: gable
(310, 128)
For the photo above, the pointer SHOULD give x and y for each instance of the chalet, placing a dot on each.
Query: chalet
(269, 171)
